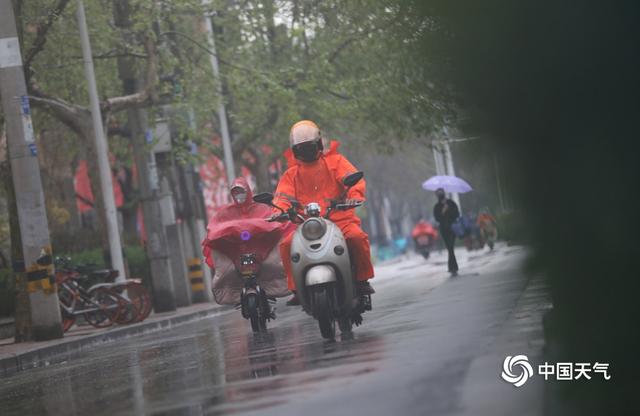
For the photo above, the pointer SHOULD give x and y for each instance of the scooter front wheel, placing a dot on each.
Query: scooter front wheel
(258, 321)
(323, 305)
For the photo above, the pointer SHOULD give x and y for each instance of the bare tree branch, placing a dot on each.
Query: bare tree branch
(72, 115)
(78, 118)
(337, 94)
(41, 37)
(148, 94)
(356, 37)
(341, 47)
(113, 54)
(210, 52)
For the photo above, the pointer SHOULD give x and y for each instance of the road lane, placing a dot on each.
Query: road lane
(426, 348)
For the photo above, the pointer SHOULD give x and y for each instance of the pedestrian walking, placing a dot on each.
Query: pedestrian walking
(446, 212)
(488, 228)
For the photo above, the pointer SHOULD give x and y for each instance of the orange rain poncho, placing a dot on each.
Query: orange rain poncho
(321, 182)
(486, 221)
(424, 228)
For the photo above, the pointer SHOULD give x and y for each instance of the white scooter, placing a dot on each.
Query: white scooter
(322, 268)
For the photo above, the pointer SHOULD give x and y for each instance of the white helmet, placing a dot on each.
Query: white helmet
(304, 131)
(306, 141)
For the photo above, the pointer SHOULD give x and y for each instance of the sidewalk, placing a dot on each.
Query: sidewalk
(23, 356)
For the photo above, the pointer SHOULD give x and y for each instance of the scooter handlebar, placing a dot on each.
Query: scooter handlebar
(344, 207)
(294, 217)
(280, 218)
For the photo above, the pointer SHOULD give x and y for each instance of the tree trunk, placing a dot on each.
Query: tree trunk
(96, 189)
(260, 170)
(156, 244)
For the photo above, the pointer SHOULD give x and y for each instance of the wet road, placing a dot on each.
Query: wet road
(432, 345)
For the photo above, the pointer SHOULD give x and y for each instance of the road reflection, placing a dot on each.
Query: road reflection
(213, 366)
(271, 368)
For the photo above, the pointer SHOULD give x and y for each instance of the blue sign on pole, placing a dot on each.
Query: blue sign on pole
(148, 136)
(25, 105)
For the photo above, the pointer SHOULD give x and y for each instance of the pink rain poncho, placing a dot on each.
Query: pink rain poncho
(240, 228)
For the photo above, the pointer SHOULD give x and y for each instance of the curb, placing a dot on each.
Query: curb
(66, 350)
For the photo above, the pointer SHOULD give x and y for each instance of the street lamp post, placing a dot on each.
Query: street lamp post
(222, 112)
(111, 218)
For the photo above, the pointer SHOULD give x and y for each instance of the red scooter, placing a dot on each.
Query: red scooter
(424, 235)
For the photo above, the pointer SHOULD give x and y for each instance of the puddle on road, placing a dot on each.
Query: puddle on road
(195, 369)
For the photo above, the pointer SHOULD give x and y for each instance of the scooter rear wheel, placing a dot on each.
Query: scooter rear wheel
(345, 325)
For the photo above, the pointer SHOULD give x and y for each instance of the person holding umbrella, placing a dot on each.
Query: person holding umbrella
(446, 212)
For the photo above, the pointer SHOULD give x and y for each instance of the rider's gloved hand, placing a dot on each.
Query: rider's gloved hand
(352, 201)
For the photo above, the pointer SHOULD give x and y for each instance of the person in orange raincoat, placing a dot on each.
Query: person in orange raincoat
(488, 228)
(423, 234)
(424, 228)
(315, 174)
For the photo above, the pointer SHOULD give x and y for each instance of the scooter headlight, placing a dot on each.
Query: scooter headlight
(313, 229)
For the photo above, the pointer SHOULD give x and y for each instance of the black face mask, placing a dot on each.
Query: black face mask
(308, 151)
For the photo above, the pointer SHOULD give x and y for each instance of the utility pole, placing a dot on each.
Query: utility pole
(499, 184)
(25, 171)
(156, 244)
(222, 112)
(111, 215)
(437, 156)
(175, 245)
(444, 162)
(446, 150)
(190, 210)
(157, 252)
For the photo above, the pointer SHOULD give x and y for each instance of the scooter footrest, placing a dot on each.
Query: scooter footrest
(365, 302)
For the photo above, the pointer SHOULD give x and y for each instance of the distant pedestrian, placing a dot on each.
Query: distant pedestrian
(488, 228)
(446, 212)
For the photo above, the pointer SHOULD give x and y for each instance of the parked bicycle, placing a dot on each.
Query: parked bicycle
(94, 294)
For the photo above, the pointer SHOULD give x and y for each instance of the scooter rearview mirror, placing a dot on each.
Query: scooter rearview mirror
(264, 198)
(352, 179)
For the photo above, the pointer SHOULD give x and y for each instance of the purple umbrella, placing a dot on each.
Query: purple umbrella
(448, 183)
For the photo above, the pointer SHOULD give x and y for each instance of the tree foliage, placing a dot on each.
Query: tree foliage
(346, 64)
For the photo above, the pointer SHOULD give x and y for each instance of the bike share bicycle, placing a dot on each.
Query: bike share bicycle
(100, 304)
